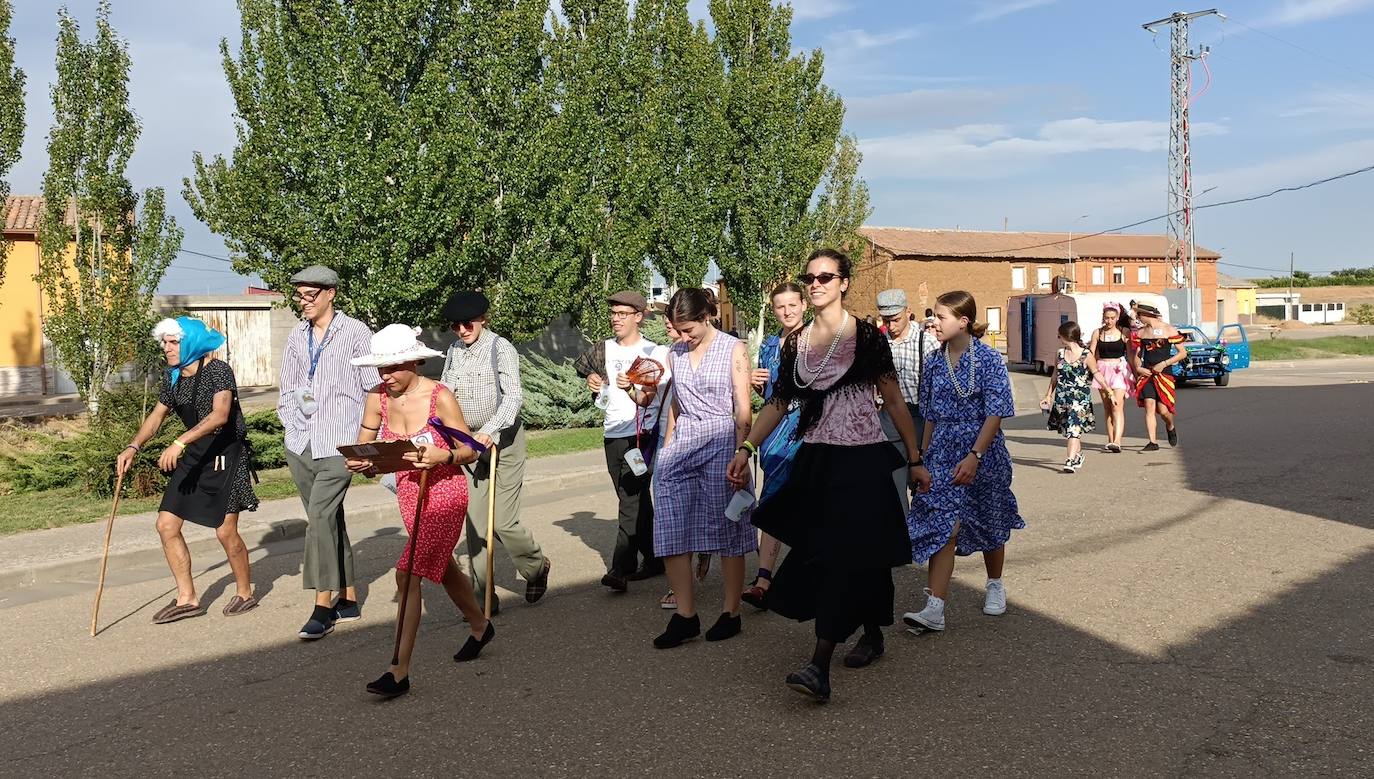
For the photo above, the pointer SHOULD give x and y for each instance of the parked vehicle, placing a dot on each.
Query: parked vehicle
(1215, 360)
(1033, 321)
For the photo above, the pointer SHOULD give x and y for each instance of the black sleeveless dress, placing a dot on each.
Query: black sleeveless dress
(213, 477)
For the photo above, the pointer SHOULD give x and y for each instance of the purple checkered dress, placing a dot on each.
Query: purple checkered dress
(690, 490)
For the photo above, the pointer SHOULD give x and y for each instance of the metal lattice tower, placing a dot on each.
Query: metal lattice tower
(1183, 259)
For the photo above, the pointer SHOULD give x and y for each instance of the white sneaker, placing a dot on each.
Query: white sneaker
(995, 602)
(1077, 462)
(932, 617)
(1067, 467)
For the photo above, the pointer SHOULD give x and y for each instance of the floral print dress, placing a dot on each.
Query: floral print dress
(1072, 412)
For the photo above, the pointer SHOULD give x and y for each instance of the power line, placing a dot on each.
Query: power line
(1279, 271)
(1305, 50)
(203, 254)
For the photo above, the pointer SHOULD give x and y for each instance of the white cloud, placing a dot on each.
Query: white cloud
(862, 39)
(1302, 11)
(983, 151)
(996, 9)
(1336, 108)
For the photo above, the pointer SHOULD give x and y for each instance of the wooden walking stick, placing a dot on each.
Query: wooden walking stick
(410, 564)
(491, 526)
(105, 556)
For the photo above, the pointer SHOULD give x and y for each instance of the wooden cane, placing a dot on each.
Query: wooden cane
(105, 555)
(410, 564)
(491, 526)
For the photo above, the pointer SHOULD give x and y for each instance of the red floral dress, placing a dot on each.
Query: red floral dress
(446, 502)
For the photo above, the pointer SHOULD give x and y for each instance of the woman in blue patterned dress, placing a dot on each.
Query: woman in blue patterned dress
(778, 450)
(964, 502)
(710, 416)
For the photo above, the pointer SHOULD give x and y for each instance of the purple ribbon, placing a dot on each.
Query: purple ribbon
(453, 436)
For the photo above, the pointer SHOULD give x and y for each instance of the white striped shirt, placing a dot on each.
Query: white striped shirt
(467, 371)
(339, 388)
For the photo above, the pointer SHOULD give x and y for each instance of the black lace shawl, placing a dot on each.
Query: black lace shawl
(872, 363)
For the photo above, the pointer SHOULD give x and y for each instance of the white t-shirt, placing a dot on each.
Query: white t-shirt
(620, 414)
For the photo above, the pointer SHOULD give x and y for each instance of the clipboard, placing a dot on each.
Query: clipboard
(385, 456)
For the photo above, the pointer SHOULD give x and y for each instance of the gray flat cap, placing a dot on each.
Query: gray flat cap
(317, 276)
(891, 301)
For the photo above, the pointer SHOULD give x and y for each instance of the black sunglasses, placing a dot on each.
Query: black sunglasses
(824, 278)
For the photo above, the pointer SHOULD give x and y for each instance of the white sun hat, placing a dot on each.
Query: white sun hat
(393, 345)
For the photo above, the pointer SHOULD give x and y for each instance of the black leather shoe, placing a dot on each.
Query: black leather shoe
(615, 580)
(863, 653)
(473, 647)
(680, 630)
(725, 627)
(809, 681)
(646, 571)
(387, 686)
(1173, 437)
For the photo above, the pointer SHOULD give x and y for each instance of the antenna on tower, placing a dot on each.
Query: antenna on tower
(1183, 249)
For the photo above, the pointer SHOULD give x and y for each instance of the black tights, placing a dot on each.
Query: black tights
(825, 650)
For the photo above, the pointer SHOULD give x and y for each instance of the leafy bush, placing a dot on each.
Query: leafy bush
(1363, 315)
(555, 396)
(655, 330)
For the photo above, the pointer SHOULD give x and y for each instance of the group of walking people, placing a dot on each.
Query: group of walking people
(1130, 356)
(878, 447)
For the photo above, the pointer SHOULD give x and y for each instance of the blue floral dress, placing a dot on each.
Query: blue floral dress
(781, 445)
(985, 510)
(1072, 412)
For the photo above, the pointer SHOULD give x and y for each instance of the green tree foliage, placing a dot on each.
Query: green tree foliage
(102, 258)
(11, 115)
(1346, 277)
(842, 207)
(555, 396)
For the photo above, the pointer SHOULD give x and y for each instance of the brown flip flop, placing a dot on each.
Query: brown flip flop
(176, 613)
(238, 605)
(162, 612)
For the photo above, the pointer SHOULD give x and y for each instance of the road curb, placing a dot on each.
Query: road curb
(87, 568)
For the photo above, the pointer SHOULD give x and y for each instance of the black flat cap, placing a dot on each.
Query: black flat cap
(465, 306)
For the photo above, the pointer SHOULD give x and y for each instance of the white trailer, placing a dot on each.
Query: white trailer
(1033, 321)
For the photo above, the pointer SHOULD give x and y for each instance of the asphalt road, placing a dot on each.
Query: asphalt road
(1197, 611)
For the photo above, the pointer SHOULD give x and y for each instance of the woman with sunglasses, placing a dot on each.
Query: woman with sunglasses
(711, 414)
(837, 510)
(775, 456)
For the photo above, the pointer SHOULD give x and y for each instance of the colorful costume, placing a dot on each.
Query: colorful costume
(1112, 364)
(958, 400)
(1156, 386)
(446, 501)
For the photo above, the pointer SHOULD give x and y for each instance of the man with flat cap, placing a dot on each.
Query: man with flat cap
(910, 345)
(483, 371)
(631, 426)
(321, 407)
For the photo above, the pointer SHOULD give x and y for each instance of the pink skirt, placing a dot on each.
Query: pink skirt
(1118, 375)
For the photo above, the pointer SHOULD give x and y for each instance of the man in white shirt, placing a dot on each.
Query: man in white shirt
(631, 434)
(910, 346)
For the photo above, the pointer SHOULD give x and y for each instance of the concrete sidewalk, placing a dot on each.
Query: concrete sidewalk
(74, 551)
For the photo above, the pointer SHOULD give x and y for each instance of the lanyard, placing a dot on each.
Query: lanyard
(324, 341)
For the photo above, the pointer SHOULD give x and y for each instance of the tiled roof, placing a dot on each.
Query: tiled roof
(976, 244)
(22, 213)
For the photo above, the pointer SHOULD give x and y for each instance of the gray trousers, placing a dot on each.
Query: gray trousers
(328, 561)
(524, 551)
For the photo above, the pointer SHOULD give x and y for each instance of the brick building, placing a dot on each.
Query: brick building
(993, 266)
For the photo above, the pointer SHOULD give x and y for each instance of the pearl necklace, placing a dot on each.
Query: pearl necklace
(959, 389)
(805, 351)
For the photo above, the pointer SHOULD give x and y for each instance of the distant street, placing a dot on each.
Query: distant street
(1201, 611)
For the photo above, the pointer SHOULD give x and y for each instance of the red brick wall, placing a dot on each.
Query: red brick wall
(1160, 279)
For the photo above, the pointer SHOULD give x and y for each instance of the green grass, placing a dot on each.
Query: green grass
(544, 443)
(1316, 348)
(72, 506)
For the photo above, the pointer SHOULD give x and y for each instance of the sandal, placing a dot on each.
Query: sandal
(668, 601)
(239, 605)
(756, 596)
(173, 613)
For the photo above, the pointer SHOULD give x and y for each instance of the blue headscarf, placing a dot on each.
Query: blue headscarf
(197, 340)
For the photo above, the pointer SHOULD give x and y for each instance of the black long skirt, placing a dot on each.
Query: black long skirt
(842, 517)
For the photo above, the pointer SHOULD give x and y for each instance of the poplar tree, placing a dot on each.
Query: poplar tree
(11, 116)
(101, 260)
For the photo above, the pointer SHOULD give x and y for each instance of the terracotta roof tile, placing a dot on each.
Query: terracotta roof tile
(918, 242)
(22, 213)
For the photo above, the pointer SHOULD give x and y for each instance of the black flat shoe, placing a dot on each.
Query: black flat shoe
(725, 627)
(615, 581)
(646, 571)
(473, 647)
(756, 596)
(1173, 437)
(863, 653)
(680, 630)
(387, 686)
(1151, 447)
(808, 681)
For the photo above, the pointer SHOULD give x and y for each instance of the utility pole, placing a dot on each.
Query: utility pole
(1180, 154)
(1288, 304)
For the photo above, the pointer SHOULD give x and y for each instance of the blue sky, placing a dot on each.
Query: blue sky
(970, 112)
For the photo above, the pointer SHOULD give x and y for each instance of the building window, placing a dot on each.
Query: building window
(994, 320)
(1042, 277)
(1340, 306)
(1119, 274)
(1099, 275)
(1142, 274)
(1018, 278)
